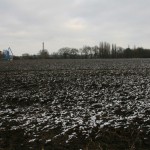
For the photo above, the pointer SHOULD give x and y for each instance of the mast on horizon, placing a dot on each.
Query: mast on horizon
(43, 45)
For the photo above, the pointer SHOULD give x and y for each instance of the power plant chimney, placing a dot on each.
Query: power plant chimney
(43, 45)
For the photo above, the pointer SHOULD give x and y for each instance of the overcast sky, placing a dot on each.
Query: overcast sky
(25, 24)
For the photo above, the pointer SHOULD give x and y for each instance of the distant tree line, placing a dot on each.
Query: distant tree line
(103, 50)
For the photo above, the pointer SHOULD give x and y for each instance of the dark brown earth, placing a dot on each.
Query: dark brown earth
(75, 104)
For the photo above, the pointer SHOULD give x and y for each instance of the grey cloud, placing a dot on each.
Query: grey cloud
(27, 23)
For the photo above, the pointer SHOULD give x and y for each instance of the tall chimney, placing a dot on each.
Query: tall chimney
(43, 45)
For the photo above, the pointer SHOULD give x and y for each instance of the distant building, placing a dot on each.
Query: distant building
(6, 54)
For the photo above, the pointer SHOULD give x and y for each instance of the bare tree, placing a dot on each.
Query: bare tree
(43, 54)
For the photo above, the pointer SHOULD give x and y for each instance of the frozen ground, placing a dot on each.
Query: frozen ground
(75, 104)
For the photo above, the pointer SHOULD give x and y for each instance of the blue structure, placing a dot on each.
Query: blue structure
(7, 54)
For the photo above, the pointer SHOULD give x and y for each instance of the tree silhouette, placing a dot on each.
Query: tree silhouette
(43, 54)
